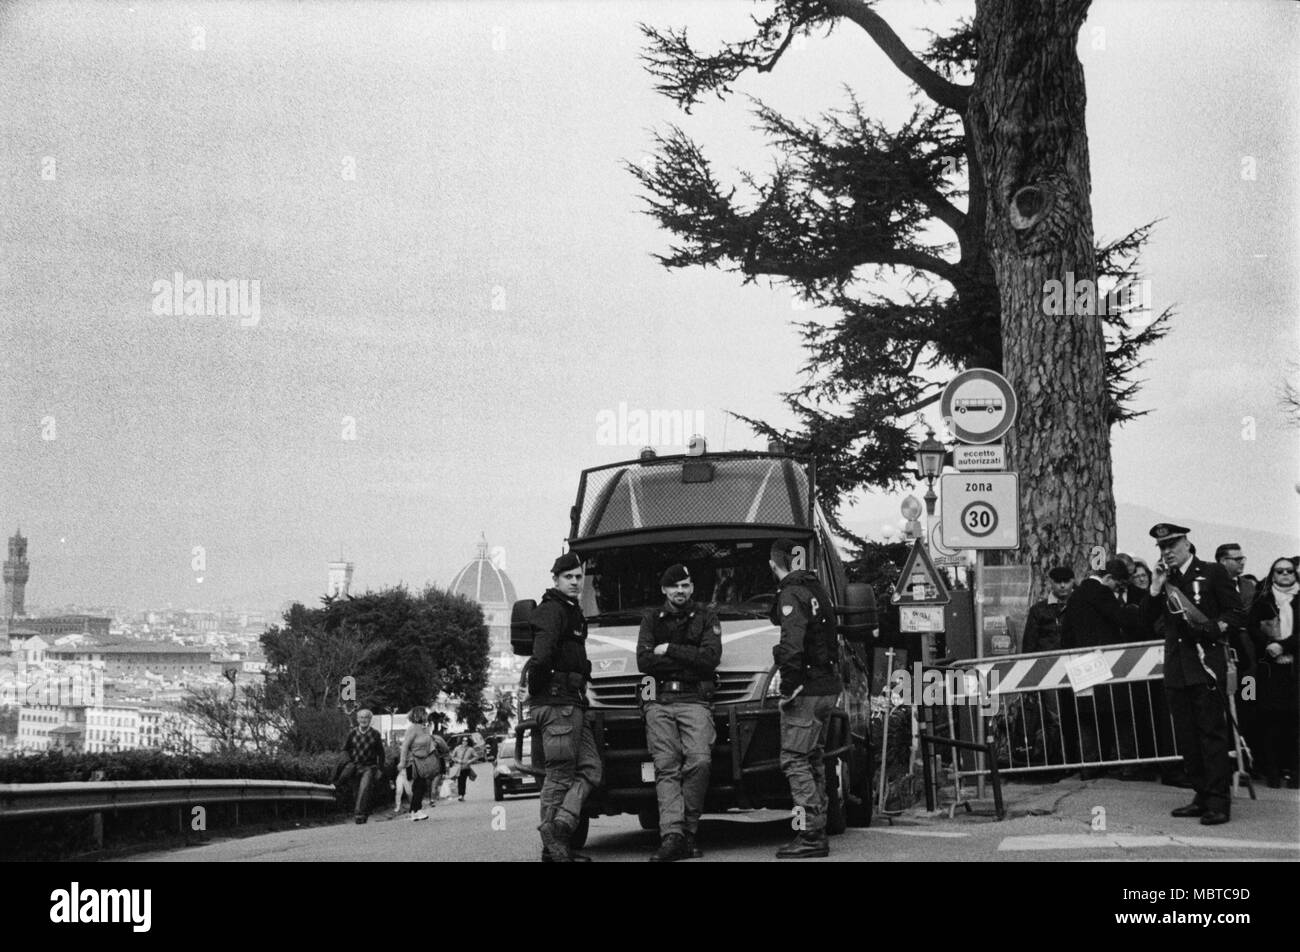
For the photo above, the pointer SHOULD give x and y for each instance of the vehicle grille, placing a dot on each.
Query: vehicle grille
(625, 690)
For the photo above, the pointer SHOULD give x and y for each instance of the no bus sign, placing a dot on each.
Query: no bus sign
(979, 406)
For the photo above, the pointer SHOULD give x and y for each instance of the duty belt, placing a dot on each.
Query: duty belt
(677, 687)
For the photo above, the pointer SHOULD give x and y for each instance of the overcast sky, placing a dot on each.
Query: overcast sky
(454, 269)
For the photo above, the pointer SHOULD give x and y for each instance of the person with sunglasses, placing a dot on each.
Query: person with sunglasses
(1187, 600)
(1273, 622)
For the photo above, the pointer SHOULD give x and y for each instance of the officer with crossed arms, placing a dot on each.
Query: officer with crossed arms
(678, 649)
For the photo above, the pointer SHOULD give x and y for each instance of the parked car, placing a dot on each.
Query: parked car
(508, 778)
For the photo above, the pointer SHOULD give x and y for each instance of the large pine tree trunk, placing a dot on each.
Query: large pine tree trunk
(1026, 116)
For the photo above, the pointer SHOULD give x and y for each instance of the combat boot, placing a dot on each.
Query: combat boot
(807, 845)
(671, 849)
(573, 857)
(555, 841)
(691, 848)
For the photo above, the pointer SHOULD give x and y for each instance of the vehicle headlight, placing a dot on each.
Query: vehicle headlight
(773, 683)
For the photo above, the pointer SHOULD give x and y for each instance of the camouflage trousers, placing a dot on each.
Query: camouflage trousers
(573, 767)
(680, 736)
(803, 738)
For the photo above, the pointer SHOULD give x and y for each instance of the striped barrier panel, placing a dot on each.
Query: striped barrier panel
(1017, 674)
(1041, 724)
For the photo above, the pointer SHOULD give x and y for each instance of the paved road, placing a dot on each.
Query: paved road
(1096, 820)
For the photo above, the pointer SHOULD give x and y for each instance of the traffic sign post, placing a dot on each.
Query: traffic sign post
(920, 619)
(980, 459)
(980, 511)
(978, 406)
(920, 583)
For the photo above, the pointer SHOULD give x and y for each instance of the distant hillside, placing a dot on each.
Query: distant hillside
(1261, 547)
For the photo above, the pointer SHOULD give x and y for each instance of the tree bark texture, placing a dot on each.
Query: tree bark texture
(1026, 117)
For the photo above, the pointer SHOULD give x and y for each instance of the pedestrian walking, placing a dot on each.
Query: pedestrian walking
(421, 758)
(557, 675)
(807, 661)
(462, 761)
(678, 649)
(1187, 600)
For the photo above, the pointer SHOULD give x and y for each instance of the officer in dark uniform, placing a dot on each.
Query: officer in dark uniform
(557, 689)
(807, 659)
(678, 650)
(1187, 600)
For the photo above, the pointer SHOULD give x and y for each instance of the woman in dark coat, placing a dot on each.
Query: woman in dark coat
(1274, 626)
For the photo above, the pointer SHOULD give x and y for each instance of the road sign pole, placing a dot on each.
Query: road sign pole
(979, 653)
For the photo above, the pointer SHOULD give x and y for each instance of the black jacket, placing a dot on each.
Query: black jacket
(808, 652)
(1094, 616)
(1208, 586)
(1276, 678)
(1043, 627)
(694, 638)
(558, 670)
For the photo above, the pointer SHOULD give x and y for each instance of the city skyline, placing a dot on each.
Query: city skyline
(456, 294)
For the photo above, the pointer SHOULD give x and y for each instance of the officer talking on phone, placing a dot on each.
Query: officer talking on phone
(1187, 600)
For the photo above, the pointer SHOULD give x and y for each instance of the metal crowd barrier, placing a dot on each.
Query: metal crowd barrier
(1040, 724)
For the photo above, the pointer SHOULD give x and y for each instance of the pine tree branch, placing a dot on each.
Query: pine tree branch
(945, 93)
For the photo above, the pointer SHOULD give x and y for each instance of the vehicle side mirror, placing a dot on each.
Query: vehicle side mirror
(521, 626)
(858, 615)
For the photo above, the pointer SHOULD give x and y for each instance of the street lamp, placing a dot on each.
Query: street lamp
(929, 464)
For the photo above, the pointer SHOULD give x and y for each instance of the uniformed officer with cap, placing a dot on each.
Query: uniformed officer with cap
(1187, 599)
(558, 673)
(678, 650)
(807, 658)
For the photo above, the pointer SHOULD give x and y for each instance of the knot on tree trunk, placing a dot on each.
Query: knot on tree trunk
(1040, 213)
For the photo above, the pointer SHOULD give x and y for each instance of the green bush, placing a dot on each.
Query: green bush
(60, 767)
(63, 836)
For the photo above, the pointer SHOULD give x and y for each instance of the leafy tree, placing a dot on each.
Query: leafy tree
(215, 713)
(401, 649)
(994, 160)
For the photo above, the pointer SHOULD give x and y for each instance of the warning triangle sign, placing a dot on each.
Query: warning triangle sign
(920, 582)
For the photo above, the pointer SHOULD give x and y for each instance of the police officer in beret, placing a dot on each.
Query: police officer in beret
(807, 658)
(1188, 598)
(678, 649)
(557, 674)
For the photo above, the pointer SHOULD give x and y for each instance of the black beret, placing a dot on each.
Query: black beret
(1061, 573)
(674, 574)
(1166, 531)
(566, 563)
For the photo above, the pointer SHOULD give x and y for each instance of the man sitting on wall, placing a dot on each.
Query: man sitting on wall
(364, 750)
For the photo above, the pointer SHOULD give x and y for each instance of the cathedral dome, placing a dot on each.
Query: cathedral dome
(483, 582)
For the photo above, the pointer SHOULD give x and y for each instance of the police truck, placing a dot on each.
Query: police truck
(718, 514)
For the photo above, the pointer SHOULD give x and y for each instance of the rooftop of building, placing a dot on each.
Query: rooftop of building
(134, 647)
(483, 582)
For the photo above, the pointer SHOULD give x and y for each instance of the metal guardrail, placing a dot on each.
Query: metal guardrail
(24, 800)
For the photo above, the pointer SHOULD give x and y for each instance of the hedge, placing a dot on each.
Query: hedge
(61, 767)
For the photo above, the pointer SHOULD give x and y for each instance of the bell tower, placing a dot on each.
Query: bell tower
(16, 572)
